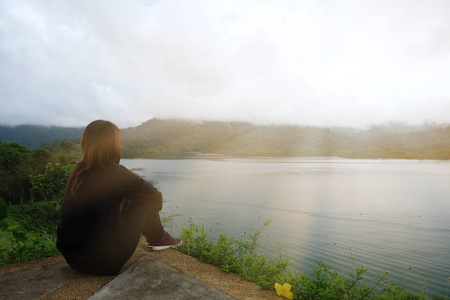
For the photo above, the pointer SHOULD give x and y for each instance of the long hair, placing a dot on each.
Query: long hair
(100, 144)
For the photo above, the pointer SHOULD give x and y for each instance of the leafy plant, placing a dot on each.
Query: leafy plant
(241, 256)
(27, 246)
(37, 217)
(3, 209)
(51, 183)
(30, 232)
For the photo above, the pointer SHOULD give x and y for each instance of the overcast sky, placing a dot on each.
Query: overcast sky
(320, 63)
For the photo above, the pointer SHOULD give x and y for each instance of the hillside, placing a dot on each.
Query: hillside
(34, 136)
(165, 137)
(158, 137)
(161, 137)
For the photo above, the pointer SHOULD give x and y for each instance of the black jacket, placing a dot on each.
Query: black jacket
(91, 221)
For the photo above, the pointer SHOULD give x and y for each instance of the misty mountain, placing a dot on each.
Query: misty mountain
(34, 136)
(160, 137)
(165, 137)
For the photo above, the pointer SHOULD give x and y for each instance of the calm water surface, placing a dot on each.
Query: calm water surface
(393, 213)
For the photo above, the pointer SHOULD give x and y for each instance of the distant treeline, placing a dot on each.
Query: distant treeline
(41, 173)
(158, 138)
(34, 136)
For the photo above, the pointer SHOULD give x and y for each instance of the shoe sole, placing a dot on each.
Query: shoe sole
(157, 248)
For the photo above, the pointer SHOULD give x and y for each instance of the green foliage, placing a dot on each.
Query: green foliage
(232, 255)
(3, 209)
(33, 136)
(63, 146)
(241, 257)
(51, 183)
(29, 232)
(14, 170)
(326, 283)
(25, 174)
(39, 160)
(159, 138)
(150, 148)
(34, 217)
(25, 246)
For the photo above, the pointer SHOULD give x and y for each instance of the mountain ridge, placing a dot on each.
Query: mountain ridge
(162, 137)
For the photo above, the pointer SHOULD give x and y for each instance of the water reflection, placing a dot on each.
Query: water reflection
(393, 213)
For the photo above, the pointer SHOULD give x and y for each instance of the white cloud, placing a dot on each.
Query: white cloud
(347, 63)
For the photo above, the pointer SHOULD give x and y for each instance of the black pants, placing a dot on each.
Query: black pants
(137, 219)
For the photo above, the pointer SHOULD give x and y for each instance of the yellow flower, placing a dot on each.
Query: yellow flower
(284, 290)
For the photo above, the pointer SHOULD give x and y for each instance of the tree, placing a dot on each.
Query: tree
(39, 160)
(3, 209)
(14, 170)
(50, 184)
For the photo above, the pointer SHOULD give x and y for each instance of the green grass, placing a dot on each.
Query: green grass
(242, 257)
(29, 232)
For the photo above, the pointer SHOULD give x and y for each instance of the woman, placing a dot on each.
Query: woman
(106, 207)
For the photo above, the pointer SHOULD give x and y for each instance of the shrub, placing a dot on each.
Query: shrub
(3, 209)
(25, 246)
(242, 258)
(36, 217)
(30, 233)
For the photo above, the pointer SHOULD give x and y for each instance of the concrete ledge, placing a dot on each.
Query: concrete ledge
(52, 278)
(148, 278)
(35, 283)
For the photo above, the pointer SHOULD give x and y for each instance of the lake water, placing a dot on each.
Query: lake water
(393, 213)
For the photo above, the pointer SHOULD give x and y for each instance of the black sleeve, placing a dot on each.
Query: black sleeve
(130, 186)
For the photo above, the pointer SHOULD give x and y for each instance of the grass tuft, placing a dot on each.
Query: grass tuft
(242, 257)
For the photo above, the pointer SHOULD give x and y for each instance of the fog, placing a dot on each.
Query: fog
(318, 63)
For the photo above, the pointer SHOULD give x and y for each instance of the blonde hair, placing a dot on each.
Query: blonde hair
(100, 144)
